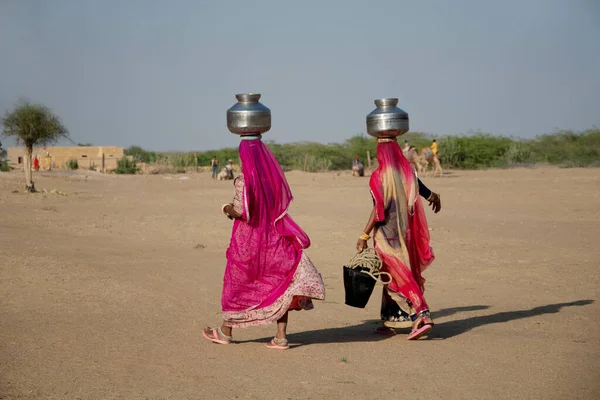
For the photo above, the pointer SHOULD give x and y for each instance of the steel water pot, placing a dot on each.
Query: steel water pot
(248, 115)
(387, 120)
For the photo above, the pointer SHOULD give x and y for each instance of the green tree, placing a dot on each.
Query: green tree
(32, 125)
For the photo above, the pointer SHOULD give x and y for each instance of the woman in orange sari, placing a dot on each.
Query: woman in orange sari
(401, 236)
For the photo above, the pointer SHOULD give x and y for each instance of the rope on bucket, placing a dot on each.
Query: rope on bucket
(371, 264)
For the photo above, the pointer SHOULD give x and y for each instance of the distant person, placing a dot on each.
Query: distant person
(405, 148)
(357, 167)
(36, 163)
(434, 147)
(215, 167)
(48, 162)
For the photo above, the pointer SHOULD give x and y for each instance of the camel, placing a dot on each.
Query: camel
(418, 160)
(229, 168)
(225, 174)
(433, 160)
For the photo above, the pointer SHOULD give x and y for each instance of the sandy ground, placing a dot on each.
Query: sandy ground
(104, 292)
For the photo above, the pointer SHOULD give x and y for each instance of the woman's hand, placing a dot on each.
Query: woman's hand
(228, 210)
(361, 245)
(435, 202)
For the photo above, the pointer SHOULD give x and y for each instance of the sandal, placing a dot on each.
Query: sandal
(279, 344)
(217, 335)
(422, 326)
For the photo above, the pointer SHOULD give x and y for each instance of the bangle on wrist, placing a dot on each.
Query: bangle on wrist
(223, 210)
(365, 236)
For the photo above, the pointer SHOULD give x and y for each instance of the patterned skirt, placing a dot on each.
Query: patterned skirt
(306, 285)
(396, 311)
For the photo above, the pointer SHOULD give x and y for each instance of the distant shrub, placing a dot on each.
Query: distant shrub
(518, 153)
(72, 164)
(568, 148)
(473, 150)
(126, 167)
(141, 155)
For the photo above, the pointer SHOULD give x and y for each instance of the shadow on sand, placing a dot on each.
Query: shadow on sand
(450, 329)
(364, 332)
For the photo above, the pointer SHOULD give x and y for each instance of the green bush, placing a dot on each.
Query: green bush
(470, 151)
(72, 164)
(454, 153)
(223, 155)
(568, 148)
(474, 151)
(141, 155)
(126, 167)
(181, 160)
(518, 153)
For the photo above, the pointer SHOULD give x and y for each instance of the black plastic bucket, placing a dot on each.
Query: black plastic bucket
(358, 286)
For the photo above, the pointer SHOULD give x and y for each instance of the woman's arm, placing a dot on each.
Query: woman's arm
(366, 235)
(234, 210)
(423, 190)
(433, 198)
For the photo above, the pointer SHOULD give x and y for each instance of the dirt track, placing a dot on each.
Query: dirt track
(103, 292)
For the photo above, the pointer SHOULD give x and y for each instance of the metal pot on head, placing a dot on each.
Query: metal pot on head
(248, 116)
(387, 120)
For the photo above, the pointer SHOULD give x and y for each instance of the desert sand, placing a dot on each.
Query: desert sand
(104, 291)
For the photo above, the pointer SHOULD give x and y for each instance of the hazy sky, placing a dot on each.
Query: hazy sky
(161, 74)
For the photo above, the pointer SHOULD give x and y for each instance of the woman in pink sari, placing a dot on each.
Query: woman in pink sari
(267, 271)
(401, 236)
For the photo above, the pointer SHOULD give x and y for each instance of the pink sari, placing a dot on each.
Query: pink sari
(262, 277)
(401, 235)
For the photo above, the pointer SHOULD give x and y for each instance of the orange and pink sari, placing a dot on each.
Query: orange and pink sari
(401, 233)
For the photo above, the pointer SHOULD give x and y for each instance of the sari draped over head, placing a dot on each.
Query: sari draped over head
(394, 186)
(266, 244)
